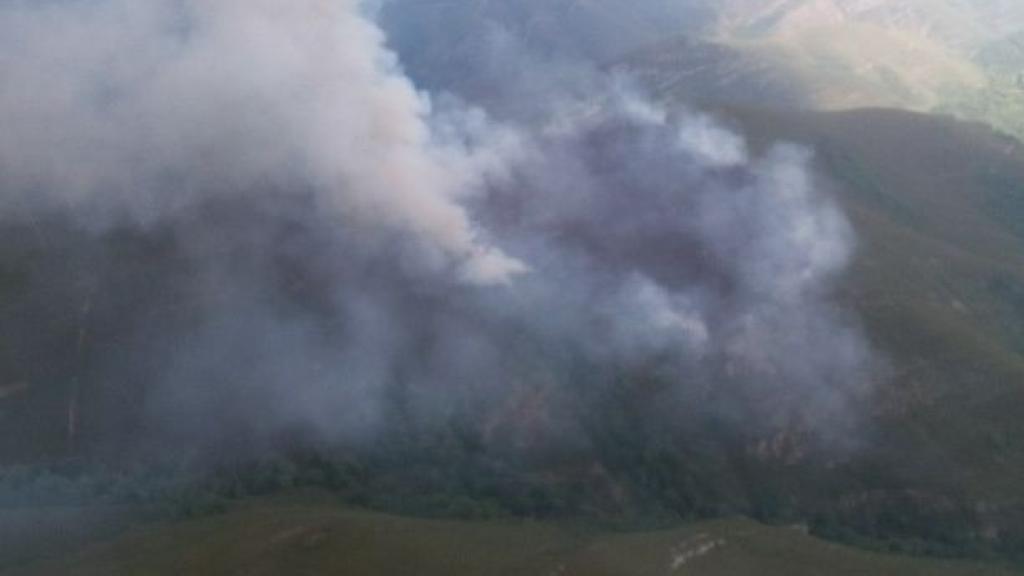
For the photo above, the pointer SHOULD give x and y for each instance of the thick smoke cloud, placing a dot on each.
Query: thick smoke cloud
(136, 109)
(339, 255)
(678, 248)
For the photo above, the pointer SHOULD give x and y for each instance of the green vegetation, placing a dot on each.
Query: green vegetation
(935, 470)
(938, 283)
(308, 533)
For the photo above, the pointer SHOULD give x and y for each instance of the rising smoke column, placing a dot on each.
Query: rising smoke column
(117, 110)
(352, 257)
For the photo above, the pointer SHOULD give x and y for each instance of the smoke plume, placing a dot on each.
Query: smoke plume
(279, 233)
(134, 110)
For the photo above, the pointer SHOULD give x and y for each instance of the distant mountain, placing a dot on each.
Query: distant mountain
(958, 24)
(712, 73)
(958, 57)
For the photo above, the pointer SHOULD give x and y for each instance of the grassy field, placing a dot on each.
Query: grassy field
(318, 537)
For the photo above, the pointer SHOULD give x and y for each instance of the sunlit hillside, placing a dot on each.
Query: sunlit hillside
(960, 58)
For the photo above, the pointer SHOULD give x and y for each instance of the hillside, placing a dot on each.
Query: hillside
(938, 281)
(302, 539)
(500, 284)
(955, 57)
(956, 24)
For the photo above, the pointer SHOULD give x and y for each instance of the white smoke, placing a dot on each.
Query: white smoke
(655, 240)
(656, 234)
(126, 109)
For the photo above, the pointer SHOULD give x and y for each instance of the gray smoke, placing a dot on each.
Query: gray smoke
(342, 253)
(133, 110)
